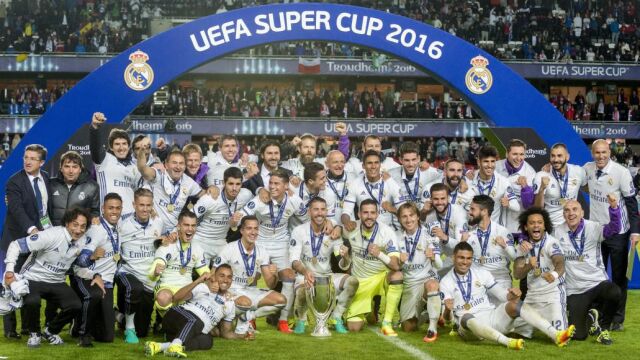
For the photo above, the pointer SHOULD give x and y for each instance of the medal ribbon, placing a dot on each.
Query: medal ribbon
(446, 220)
(464, 291)
(114, 238)
(416, 185)
(483, 239)
(315, 247)
(335, 190)
(573, 236)
(407, 243)
(563, 183)
(172, 197)
(184, 263)
(226, 202)
(533, 250)
(249, 268)
(370, 191)
(311, 197)
(489, 187)
(369, 240)
(276, 221)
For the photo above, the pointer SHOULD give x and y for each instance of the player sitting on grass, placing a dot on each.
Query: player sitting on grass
(466, 291)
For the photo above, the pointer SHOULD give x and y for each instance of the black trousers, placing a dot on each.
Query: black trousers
(186, 326)
(9, 320)
(607, 294)
(133, 298)
(96, 317)
(61, 294)
(616, 249)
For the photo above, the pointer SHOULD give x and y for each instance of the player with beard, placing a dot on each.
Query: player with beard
(376, 265)
(270, 156)
(487, 182)
(206, 306)
(306, 154)
(452, 221)
(174, 263)
(386, 193)
(541, 260)
(214, 214)
(420, 259)
(313, 186)
(562, 183)
(465, 290)
(520, 174)
(586, 279)
(453, 179)
(310, 255)
(492, 243)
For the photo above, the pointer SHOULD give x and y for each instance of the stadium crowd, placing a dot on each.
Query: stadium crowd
(605, 30)
(189, 232)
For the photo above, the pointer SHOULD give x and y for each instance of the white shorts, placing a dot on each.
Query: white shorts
(554, 312)
(280, 257)
(335, 277)
(497, 319)
(211, 252)
(503, 282)
(413, 300)
(253, 293)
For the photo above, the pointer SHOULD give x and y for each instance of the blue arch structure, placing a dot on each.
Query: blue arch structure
(501, 96)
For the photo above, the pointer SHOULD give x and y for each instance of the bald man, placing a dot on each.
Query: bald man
(604, 177)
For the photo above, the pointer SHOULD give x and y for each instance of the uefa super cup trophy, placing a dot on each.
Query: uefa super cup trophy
(321, 299)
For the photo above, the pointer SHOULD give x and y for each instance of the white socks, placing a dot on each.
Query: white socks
(287, 291)
(486, 332)
(531, 316)
(129, 321)
(434, 305)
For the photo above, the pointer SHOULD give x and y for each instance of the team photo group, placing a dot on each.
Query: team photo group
(199, 242)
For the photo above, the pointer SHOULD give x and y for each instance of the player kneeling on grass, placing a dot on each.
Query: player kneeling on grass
(53, 251)
(249, 260)
(420, 258)
(310, 254)
(376, 265)
(466, 291)
(208, 309)
(174, 263)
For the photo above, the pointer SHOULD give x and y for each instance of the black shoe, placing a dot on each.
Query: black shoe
(85, 341)
(617, 326)
(13, 335)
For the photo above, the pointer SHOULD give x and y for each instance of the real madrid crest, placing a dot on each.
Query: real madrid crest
(479, 78)
(138, 75)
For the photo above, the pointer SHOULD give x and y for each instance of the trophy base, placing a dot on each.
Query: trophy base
(321, 332)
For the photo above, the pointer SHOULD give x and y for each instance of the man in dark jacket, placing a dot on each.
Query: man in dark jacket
(73, 188)
(269, 162)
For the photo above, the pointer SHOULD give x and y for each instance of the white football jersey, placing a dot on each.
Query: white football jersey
(302, 216)
(529, 173)
(453, 222)
(177, 257)
(471, 288)
(304, 248)
(412, 190)
(104, 236)
(242, 272)
(456, 197)
(217, 166)
(209, 307)
(567, 187)
(169, 197)
(539, 290)
(487, 254)
(274, 220)
(137, 247)
(418, 268)
(115, 177)
(584, 268)
(380, 191)
(616, 180)
(340, 189)
(496, 188)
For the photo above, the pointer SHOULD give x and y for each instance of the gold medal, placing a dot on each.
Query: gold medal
(250, 280)
(314, 260)
(581, 258)
(116, 257)
(235, 228)
(183, 271)
(341, 204)
(467, 306)
(537, 272)
(171, 207)
(483, 259)
(563, 201)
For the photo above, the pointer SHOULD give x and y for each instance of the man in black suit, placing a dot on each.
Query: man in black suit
(28, 203)
(269, 162)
